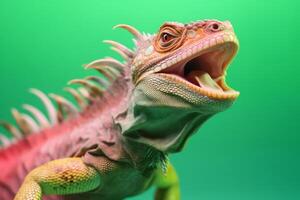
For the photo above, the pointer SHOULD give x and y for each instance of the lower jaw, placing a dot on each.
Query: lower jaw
(163, 90)
(225, 94)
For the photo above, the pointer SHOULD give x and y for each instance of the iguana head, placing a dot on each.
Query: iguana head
(179, 77)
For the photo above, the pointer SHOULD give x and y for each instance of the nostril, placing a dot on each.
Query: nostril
(215, 26)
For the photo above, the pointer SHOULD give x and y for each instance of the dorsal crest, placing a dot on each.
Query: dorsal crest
(89, 89)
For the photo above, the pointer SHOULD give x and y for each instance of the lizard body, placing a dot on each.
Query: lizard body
(117, 144)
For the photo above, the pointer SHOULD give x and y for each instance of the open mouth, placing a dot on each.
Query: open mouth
(203, 68)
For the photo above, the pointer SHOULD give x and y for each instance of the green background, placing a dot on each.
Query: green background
(251, 151)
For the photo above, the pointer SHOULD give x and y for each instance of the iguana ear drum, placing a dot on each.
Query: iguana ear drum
(170, 37)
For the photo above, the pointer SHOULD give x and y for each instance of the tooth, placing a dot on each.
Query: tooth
(163, 66)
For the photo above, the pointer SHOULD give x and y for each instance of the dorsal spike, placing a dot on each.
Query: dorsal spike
(79, 99)
(95, 91)
(31, 123)
(106, 62)
(48, 104)
(21, 122)
(66, 106)
(12, 129)
(85, 93)
(120, 47)
(4, 141)
(114, 72)
(131, 29)
(38, 115)
(101, 81)
(103, 71)
(122, 54)
(60, 113)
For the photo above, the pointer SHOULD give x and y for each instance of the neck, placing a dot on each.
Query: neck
(163, 127)
(143, 156)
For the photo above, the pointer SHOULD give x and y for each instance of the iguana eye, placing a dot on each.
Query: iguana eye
(166, 37)
(169, 38)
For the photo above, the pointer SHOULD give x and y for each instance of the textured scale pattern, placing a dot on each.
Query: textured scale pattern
(114, 142)
(65, 176)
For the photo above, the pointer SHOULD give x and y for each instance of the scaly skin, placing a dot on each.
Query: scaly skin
(144, 109)
(65, 176)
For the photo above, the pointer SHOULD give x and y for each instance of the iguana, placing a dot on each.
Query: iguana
(116, 142)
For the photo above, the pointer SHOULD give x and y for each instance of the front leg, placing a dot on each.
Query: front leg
(59, 177)
(167, 184)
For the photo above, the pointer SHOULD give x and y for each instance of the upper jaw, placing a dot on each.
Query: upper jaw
(201, 67)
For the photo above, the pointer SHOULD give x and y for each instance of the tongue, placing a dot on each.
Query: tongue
(205, 81)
